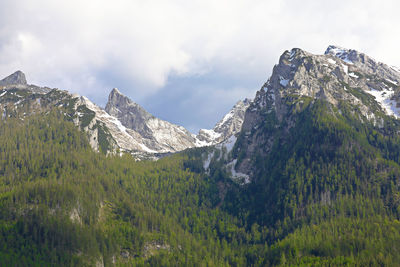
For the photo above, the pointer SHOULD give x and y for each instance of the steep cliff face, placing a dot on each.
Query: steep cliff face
(345, 79)
(123, 126)
(17, 78)
(229, 125)
(158, 135)
(22, 100)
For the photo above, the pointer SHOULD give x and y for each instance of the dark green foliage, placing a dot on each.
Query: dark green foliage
(86, 115)
(330, 169)
(326, 194)
(104, 136)
(63, 204)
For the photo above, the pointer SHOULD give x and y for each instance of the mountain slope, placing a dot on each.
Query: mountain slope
(124, 126)
(229, 125)
(301, 78)
(315, 168)
(319, 146)
(62, 204)
(158, 135)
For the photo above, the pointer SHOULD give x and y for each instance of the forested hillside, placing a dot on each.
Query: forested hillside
(63, 204)
(312, 179)
(328, 191)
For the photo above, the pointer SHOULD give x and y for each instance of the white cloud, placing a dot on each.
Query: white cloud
(78, 45)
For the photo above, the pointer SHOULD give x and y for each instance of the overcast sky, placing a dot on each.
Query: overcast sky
(185, 61)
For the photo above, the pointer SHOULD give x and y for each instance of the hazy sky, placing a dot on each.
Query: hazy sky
(186, 61)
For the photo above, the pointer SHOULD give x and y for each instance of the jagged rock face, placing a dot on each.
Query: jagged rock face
(124, 126)
(161, 136)
(363, 62)
(339, 76)
(17, 78)
(20, 102)
(230, 125)
(158, 135)
(129, 113)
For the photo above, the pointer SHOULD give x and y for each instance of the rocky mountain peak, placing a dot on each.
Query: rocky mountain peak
(17, 78)
(229, 125)
(363, 62)
(327, 77)
(116, 98)
(158, 135)
(131, 114)
(340, 77)
(348, 55)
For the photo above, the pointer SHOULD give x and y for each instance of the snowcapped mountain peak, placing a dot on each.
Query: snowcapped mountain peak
(335, 49)
(347, 55)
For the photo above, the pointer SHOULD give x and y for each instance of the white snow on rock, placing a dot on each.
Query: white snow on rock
(383, 98)
(331, 61)
(124, 137)
(206, 163)
(5, 92)
(224, 120)
(145, 148)
(391, 81)
(353, 75)
(395, 68)
(340, 52)
(345, 68)
(211, 133)
(237, 176)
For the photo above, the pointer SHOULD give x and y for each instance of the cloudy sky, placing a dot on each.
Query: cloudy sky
(186, 61)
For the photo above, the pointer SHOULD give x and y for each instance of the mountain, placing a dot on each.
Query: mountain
(317, 157)
(311, 178)
(230, 125)
(123, 126)
(17, 78)
(157, 135)
(339, 77)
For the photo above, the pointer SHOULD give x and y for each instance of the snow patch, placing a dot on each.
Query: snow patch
(383, 98)
(5, 92)
(145, 148)
(395, 68)
(206, 163)
(199, 143)
(331, 61)
(391, 81)
(353, 75)
(224, 120)
(341, 53)
(211, 133)
(114, 120)
(237, 176)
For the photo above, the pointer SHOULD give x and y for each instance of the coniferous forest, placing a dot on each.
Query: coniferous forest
(327, 195)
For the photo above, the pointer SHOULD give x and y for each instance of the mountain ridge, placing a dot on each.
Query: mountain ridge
(122, 126)
(311, 179)
(339, 76)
